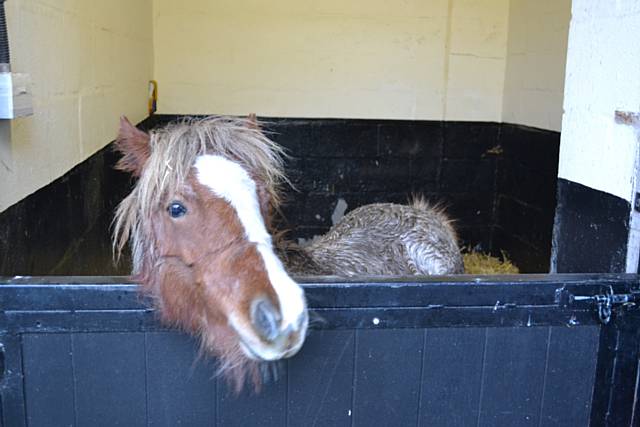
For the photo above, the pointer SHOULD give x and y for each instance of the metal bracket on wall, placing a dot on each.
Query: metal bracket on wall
(628, 118)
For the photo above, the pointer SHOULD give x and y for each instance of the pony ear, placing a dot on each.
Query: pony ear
(133, 144)
(253, 121)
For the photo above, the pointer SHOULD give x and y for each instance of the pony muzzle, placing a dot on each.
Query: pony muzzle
(268, 337)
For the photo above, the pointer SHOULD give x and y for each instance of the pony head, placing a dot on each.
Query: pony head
(198, 220)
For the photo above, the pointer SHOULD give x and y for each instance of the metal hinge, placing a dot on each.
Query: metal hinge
(605, 302)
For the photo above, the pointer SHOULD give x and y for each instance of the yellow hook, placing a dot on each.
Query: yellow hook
(153, 96)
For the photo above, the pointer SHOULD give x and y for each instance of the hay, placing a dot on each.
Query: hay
(481, 263)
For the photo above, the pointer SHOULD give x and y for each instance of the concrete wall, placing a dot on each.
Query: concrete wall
(89, 62)
(417, 59)
(603, 76)
(536, 59)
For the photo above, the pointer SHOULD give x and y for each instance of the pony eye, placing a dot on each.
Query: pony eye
(176, 210)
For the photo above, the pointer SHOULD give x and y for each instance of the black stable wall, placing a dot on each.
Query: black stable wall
(526, 197)
(591, 230)
(496, 180)
(369, 161)
(65, 227)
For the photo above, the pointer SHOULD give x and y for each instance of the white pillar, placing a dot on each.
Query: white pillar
(598, 153)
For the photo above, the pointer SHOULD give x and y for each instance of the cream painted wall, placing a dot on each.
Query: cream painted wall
(536, 59)
(89, 61)
(412, 59)
(476, 47)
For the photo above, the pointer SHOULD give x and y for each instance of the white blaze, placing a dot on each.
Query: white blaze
(231, 182)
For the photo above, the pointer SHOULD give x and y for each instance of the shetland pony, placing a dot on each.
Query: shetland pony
(196, 223)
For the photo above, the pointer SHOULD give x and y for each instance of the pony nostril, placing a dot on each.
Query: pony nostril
(266, 319)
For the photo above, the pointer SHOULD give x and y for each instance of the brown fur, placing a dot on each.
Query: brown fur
(196, 269)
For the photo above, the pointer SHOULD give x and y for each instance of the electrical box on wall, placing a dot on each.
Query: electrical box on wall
(15, 96)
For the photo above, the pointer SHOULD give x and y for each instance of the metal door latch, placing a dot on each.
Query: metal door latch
(605, 302)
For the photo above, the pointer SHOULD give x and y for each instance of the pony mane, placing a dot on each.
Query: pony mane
(173, 151)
